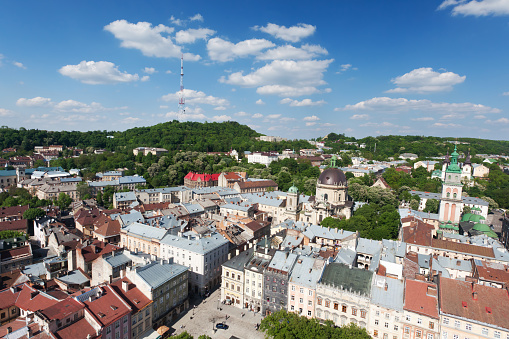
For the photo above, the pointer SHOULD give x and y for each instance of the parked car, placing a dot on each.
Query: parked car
(222, 326)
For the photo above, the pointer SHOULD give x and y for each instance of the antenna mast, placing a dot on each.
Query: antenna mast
(182, 100)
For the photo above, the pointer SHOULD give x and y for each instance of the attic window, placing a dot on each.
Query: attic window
(488, 310)
(102, 315)
(464, 303)
(113, 307)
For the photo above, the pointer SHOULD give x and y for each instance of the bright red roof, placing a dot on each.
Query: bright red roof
(201, 176)
(79, 329)
(421, 297)
(108, 307)
(63, 309)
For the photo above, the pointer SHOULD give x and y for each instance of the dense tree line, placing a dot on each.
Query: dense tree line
(289, 325)
(20, 197)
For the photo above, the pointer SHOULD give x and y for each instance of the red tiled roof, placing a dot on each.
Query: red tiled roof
(418, 233)
(16, 252)
(96, 249)
(30, 299)
(80, 329)
(257, 184)
(472, 301)
(134, 297)
(421, 297)
(109, 229)
(7, 298)
(12, 211)
(63, 309)
(492, 271)
(15, 325)
(108, 307)
(15, 225)
(463, 248)
(203, 177)
(8, 279)
(231, 176)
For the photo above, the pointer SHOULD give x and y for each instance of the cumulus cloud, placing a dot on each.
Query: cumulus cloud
(283, 77)
(446, 125)
(149, 70)
(19, 64)
(292, 34)
(219, 108)
(145, 78)
(191, 35)
(360, 117)
(302, 103)
(34, 102)
(223, 50)
(97, 72)
(197, 97)
(423, 119)
(286, 119)
(257, 116)
(220, 118)
(505, 93)
(498, 121)
(260, 102)
(6, 113)
(196, 17)
(293, 53)
(130, 120)
(346, 67)
(177, 22)
(311, 118)
(186, 116)
(378, 124)
(310, 123)
(425, 80)
(477, 7)
(242, 114)
(397, 105)
(151, 41)
(78, 107)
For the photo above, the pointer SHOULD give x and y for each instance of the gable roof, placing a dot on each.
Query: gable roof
(421, 297)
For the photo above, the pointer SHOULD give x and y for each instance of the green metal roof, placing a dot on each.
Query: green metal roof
(293, 189)
(355, 279)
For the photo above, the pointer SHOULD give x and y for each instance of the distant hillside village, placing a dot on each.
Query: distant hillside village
(77, 267)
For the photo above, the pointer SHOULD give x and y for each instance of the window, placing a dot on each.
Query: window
(468, 327)
(292, 308)
(496, 334)
(419, 320)
(301, 300)
(293, 288)
(301, 290)
(376, 321)
(408, 317)
(484, 331)
(310, 293)
(125, 319)
(386, 325)
(336, 306)
(327, 303)
(395, 327)
(363, 314)
(386, 336)
(375, 333)
(309, 313)
(377, 312)
(444, 335)
(343, 308)
(431, 325)
(418, 334)
(387, 316)
(117, 323)
(407, 330)
(227, 274)
(455, 336)
(354, 311)
(457, 324)
(430, 336)
(108, 330)
(446, 321)
(292, 298)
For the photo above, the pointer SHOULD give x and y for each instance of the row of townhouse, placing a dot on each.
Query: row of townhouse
(265, 280)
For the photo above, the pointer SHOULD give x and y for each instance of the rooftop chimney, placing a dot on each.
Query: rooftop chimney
(125, 285)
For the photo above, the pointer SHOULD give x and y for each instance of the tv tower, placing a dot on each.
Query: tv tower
(182, 100)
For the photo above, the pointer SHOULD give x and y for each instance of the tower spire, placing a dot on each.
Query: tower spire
(182, 100)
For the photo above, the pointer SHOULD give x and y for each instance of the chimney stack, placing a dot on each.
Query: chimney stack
(125, 285)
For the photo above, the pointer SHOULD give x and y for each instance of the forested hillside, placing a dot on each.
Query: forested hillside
(172, 135)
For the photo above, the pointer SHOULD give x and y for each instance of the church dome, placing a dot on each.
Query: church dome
(332, 176)
(293, 189)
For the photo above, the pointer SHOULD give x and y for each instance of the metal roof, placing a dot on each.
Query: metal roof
(307, 271)
(392, 297)
(190, 242)
(74, 277)
(155, 274)
(350, 279)
(146, 231)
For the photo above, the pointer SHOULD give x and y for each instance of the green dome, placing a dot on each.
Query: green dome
(481, 228)
(293, 189)
(453, 167)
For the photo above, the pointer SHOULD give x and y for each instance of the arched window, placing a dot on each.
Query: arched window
(325, 197)
(448, 194)
(454, 195)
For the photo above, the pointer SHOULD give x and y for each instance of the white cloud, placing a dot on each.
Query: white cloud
(151, 41)
(260, 102)
(378, 124)
(78, 107)
(95, 73)
(6, 113)
(19, 64)
(286, 119)
(310, 123)
(186, 116)
(149, 70)
(311, 118)
(145, 78)
(452, 116)
(292, 34)
(346, 67)
(177, 22)
(257, 116)
(477, 7)
(196, 17)
(220, 118)
(242, 114)
(425, 80)
(130, 120)
(498, 121)
(505, 93)
(287, 91)
(164, 106)
(283, 77)
(34, 102)
(168, 72)
(385, 104)
(222, 50)
(191, 35)
(290, 52)
(424, 119)
(360, 117)
(273, 116)
(74, 118)
(302, 103)
(480, 116)
(197, 97)
(219, 108)
(444, 125)
(1, 57)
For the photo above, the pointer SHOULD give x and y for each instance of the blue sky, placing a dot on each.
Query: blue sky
(296, 69)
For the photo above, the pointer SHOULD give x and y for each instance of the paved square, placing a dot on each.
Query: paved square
(210, 312)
